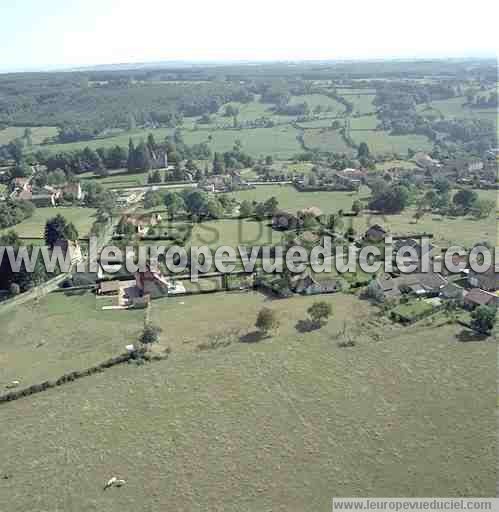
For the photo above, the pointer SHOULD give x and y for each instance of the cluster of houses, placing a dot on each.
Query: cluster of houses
(224, 183)
(347, 180)
(469, 288)
(283, 220)
(46, 196)
(141, 223)
(462, 171)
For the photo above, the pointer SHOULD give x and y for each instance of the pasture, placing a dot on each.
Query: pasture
(234, 232)
(390, 164)
(121, 179)
(114, 140)
(447, 231)
(364, 123)
(455, 108)
(34, 227)
(381, 142)
(38, 133)
(59, 334)
(291, 200)
(280, 141)
(362, 103)
(319, 100)
(281, 424)
(326, 140)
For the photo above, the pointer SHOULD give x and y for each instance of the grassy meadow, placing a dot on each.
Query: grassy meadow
(38, 133)
(326, 140)
(282, 424)
(447, 231)
(34, 227)
(280, 141)
(291, 200)
(110, 141)
(235, 232)
(59, 334)
(381, 142)
(455, 108)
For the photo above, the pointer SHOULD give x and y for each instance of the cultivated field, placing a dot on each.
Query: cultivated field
(282, 424)
(34, 227)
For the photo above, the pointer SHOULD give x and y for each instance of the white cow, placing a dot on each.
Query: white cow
(114, 482)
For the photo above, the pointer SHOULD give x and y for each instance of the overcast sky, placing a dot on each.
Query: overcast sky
(62, 33)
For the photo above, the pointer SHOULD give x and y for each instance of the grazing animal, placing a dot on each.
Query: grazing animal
(110, 483)
(114, 482)
(13, 384)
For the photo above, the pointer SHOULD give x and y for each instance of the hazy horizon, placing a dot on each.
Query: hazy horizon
(70, 34)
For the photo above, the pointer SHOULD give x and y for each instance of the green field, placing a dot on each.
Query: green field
(247, 112)
(317, 123)
(350, 91)
(82, 218)
(362, 103)
(38, 133)
(283, 424)
(320, 100)
(390, 164)
(107, 142)
(122, 179)
(281, 141)
(381, 142)
(292, 200)
(447, 231)
(326, 140)
(454, 108)
(60, 334)
(233, 233)
(364, 123)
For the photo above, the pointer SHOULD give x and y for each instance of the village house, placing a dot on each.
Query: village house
(375, 234)
(421, 284)
(215, 184)
(142, 223)
(155, 285)
(425, 161)
(109, 287)
(21, 184)
(477, 297)
(73, 190)
(488, 281)
(307, 285)
(284, 220)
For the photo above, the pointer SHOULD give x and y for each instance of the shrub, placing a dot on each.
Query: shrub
(320, 311)
(14, 289)
(267, 320)
(150, 334)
